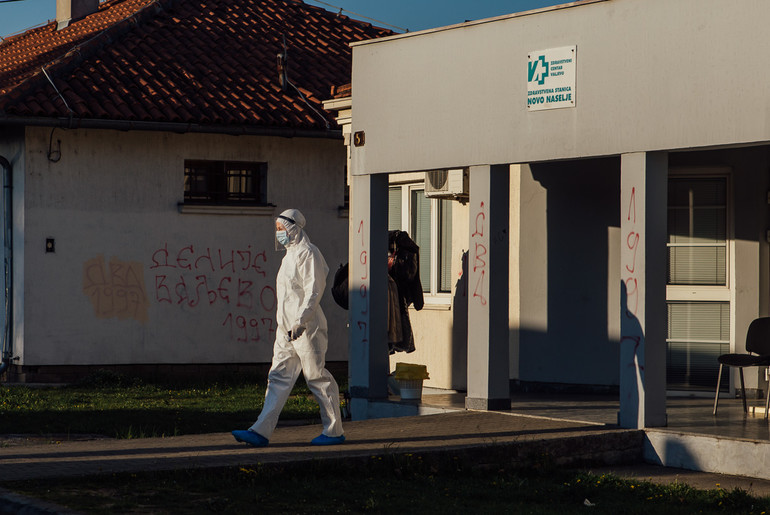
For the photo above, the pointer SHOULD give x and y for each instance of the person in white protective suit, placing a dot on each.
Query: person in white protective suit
(301, 337)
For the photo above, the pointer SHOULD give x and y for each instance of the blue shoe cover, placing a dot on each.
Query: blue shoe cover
(327, 440)
(250, 437)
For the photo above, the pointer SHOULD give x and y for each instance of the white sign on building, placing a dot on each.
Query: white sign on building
(551, 78)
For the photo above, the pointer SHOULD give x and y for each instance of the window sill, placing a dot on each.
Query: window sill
(436, 304)
(202, 209)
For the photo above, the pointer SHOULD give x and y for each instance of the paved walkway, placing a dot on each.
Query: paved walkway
(451, 431)
(568, 442)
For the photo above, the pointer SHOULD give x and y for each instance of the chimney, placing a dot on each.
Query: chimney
(68, 10)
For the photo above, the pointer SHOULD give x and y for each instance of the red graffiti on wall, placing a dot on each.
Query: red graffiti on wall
(479, 256)
(241, 292)
(363, 289)
(232, 278)
(187, 259)
(632, 241)
(632, 244)
(632, 334)
(632, 207)
(247, 329)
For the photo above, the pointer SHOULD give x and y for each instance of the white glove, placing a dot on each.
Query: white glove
(296, 332)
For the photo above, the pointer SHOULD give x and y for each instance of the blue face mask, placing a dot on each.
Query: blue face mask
(282, 237)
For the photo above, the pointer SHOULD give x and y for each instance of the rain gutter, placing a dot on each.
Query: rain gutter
(175, 127)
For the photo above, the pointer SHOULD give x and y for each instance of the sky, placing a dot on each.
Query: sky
(17, 16)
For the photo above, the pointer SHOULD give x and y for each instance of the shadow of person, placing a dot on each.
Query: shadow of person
(631, 359)
(459, 357)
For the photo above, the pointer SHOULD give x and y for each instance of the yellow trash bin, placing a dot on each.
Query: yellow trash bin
(409, 378)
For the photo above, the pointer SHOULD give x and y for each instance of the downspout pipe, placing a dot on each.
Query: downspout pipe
(7, 211)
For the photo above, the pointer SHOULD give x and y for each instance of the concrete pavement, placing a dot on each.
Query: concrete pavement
(573, 441)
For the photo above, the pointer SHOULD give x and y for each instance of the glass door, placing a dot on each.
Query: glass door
(698, 290)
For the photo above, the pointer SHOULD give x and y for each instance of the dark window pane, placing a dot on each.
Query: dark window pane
(225, 182)
(445, 245)
(421, 234)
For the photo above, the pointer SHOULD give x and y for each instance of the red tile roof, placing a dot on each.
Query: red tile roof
(208, 63)
(345, 90)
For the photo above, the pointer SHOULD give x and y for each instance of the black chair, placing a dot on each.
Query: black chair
(758, 355)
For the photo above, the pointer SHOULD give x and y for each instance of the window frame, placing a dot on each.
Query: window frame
(717, 293)
(220, 171)
(701, 294)
(433, 298)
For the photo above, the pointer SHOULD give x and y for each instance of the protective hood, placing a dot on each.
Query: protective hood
(293, 221)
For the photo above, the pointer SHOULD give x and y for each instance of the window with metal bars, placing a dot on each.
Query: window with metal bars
(225, 182)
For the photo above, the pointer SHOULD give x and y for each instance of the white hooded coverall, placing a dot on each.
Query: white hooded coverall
(300, 284)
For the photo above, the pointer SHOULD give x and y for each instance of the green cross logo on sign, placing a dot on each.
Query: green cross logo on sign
(538, 70)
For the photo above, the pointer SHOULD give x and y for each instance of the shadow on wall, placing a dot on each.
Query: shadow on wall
(579, 212)
(459, 358)
(673, 450)
(631, 364)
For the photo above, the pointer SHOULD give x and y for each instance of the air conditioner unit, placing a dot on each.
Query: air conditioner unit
(451, 183)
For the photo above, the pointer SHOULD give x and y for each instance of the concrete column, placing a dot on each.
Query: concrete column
(643, 197)
(368, 291)
(488, 363)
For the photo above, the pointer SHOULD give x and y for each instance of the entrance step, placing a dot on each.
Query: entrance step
(708, 453)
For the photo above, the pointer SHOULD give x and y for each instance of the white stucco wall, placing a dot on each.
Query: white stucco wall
(565, 326)
(440, 330)
(131, 280)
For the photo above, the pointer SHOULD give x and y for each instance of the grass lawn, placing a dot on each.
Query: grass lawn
(115, 406)
(399, 484)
